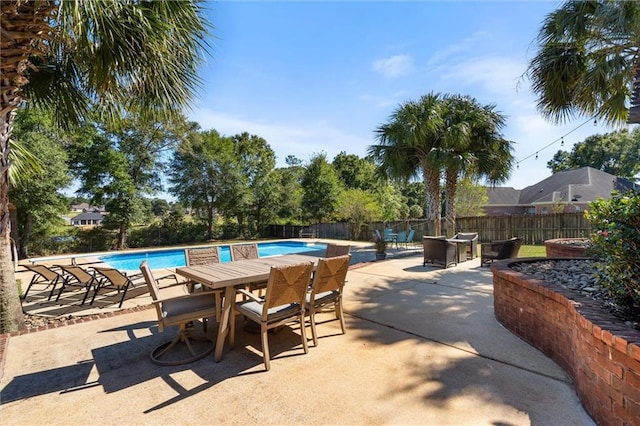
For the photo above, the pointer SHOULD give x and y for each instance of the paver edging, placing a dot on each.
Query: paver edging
(600, 352)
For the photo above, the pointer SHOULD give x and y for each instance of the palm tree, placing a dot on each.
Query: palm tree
(587, 60)
(473, 147)
(107, 56)
(407, 149)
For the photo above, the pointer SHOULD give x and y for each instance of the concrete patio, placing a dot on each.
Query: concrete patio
(422, 347)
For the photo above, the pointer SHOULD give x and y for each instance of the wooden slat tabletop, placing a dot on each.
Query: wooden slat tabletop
(220, 275)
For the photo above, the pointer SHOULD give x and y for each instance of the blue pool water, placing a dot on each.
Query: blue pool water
(174, 258)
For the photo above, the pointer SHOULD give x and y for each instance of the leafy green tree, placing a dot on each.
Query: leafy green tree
(35, 195)
(358, 207)
(289, 195)
(120, 165)
(390, 202)
(587, 59)
(204, 173)
(617, 153)
(470, 198)
(160, 207)
(406, 149)
(266, 193)
(321, 188)
(77, 57)
(355, 172)
(256, 160)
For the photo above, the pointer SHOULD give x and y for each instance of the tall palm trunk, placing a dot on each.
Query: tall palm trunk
(11, 318)
(451, 185)
(431, 179)
(23, 24)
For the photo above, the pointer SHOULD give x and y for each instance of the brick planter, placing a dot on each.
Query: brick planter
(561, 248)
(598, 351)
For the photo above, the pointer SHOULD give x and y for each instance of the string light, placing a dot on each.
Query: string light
(561, 139)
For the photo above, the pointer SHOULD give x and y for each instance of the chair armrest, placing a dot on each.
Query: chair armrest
(250, 295)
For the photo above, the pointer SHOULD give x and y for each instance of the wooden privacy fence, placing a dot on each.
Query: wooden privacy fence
(532, 229)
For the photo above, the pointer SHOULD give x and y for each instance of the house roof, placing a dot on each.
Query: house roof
(88, 216)
(583, 185)
(504, 196)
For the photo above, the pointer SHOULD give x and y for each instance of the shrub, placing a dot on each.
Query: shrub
(616, 243)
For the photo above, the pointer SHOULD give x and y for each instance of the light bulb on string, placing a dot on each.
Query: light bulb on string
(562, 141)
(536, 155)
(595, 121)
(517, 165)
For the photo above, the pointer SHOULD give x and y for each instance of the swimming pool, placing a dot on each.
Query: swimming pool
(174, 258)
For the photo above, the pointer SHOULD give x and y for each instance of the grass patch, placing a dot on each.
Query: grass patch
(532, 251)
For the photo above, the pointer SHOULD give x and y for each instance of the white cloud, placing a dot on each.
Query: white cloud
(496, 75)
(300, 139)
(394, 66)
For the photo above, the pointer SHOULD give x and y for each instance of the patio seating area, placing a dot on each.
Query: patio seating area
(422, 346)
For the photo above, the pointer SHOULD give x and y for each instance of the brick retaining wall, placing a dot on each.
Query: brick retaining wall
(555, 248)
(600, 353)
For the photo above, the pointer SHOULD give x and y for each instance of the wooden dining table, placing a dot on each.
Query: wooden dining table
(232, 275)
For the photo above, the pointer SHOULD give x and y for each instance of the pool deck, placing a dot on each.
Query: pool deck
(422, 347)
(69, 303)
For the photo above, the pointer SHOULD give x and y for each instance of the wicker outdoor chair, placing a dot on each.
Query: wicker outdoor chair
(439, 251)
(283, 303)
(326, 289)
(203, 256)
(334, 250)
(496, 250)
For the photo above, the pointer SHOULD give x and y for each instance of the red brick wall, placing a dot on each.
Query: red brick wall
(557, 249)
(600, 353)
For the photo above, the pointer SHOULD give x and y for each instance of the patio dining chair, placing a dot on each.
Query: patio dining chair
(326, 289)
(203, 256)
(180, 311)
(43, 275)
(334, 250)
(283, 303)
(111, 278)
(244, 251)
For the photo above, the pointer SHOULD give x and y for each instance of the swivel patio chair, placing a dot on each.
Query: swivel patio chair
(180, 311)
(326, 289)
(496, 250)
(439, 251)
(43, 275)
(283, 303)
(334, 250)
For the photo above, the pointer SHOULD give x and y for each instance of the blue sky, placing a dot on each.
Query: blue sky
(312, 77)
